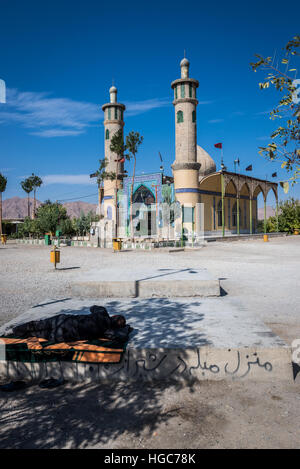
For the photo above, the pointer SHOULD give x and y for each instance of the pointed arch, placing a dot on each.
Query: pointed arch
(257, 190)
(143, 195)
(269, 188)
(245, 189)
(230, 187)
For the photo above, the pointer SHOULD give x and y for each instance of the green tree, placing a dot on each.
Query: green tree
(27, 187)
(288, 217)
(133, 141)
(26, 229)
(3, 182)
(286, 138)
(67, 227)
(36, 182)
(102, 175)
(49, 216)
(80, 224)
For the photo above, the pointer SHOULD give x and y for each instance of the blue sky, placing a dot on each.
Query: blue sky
(58, 59)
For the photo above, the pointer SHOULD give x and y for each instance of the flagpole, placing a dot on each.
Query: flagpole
(223, 213)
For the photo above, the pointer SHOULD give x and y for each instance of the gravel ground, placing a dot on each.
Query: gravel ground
(158, 415)
(264, 277)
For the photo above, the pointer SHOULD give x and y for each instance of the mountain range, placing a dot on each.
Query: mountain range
(270, 212)
(16, 207)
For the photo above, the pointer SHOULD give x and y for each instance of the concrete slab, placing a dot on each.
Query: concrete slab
(209, 338)
(146, 283)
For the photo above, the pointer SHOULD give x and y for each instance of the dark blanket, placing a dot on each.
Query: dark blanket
(84, 338)
(69, 327)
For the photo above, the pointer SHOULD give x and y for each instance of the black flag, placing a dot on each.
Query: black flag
(274, 175)
(249, 168)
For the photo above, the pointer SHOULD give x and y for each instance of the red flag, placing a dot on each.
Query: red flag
(218, 145)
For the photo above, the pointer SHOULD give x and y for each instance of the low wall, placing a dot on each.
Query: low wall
(204, 363)
(149, 245)
(245, 237)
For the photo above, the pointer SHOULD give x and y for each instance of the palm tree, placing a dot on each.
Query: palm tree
(36, 182)
(117, 146)
(133, 140)
(3, 181)
(27, 187)
(101, 175)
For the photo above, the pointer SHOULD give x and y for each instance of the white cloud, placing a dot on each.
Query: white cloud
(79, 179)
(139, 107)
(262, 113)
(57, 133)
(237, 113)
(265, 137)
(206, 102)
(47, 116)
(215, 121)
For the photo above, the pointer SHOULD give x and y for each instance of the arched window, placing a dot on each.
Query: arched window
(190, 90)
(176, 93)
(179, 117)
(182, 90)
(109, 114)
(116, 113)
(194, 116)
(107, 134)
(219, 210)
(234, 214)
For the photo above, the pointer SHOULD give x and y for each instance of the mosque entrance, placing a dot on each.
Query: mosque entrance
(144, 212)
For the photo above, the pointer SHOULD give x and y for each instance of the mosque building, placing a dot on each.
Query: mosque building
(202, 198)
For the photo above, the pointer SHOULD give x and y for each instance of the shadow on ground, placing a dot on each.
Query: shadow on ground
(83, 415)
(156, 321)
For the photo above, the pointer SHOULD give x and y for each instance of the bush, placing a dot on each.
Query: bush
(288, 216)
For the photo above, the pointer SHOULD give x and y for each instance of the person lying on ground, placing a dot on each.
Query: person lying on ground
(73, 327)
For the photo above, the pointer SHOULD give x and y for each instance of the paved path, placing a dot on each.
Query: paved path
(263, 278)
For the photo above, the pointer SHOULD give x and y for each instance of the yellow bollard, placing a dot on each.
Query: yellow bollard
(266, 238)
(55, 256)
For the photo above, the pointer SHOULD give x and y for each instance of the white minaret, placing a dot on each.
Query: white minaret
(185, 167)
(113, 122)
